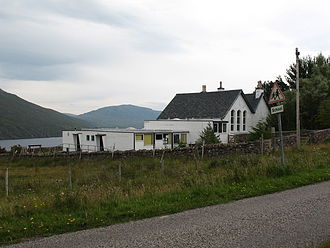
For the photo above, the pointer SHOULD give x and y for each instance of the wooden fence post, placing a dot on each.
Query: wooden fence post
(70, 177)
(262, 144)
(7, 181)
(273, 138)
(203, 149)
(162, 162)
(113, 151)
(119, 171)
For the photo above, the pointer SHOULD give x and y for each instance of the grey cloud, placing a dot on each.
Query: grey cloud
(35, 47)
(33, 73)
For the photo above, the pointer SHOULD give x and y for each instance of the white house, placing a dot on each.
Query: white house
(93, 140)
(229, 112)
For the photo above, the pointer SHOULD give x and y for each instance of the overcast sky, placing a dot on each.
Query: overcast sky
(78, 55)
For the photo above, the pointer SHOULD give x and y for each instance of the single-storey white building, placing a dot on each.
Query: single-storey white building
(93, 140)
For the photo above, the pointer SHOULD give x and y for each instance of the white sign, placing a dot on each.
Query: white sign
(277, 109)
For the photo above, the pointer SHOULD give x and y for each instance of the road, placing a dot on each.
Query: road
(292, 218)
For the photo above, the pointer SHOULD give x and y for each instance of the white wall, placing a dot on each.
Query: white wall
(122, 141)
(261, 113)
(193, 126)
(241, 105)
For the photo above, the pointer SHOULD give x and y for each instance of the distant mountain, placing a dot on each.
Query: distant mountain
(121, 116)
(22, 119)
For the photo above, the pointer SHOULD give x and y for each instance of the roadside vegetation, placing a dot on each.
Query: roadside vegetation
(43, 202)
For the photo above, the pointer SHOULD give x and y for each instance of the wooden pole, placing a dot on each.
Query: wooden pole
(262, 144)
(203, 149)
(7, 181)
(119, 171)
(70, 177)
(162, 162)
(297, 99)
(281, 139)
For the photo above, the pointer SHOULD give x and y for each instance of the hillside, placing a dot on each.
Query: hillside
(22, 119)
(120, 116)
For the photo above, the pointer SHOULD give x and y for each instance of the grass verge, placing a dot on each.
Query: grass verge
(37, 208)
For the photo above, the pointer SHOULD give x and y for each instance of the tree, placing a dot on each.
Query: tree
(208, 136)
(314, 89)
(323, 117)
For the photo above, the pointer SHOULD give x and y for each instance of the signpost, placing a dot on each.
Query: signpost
(277, 96)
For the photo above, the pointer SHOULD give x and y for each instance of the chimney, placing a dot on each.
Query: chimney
(220, 88)
(259, 90)
(204, 88)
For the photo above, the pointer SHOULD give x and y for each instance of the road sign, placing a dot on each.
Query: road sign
(277, 109)
(276, 95)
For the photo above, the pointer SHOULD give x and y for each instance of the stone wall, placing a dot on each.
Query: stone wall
(256, 147)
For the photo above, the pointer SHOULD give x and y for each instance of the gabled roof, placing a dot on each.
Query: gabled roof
(202, 105)
(251, 98)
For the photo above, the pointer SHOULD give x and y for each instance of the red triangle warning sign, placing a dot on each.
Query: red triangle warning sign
(276, 95)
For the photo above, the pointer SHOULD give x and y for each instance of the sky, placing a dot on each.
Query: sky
(79, 55)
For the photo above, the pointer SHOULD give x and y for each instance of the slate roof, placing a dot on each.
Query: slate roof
(202, 105)
(253, 100)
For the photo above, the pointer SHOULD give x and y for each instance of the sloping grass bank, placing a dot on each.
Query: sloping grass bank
(40, 203)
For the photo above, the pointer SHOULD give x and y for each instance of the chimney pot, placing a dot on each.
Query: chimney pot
(204, 88)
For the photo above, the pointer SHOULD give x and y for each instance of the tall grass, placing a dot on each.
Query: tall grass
(40, 202)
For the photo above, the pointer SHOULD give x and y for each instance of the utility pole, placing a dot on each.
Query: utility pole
(297, 99)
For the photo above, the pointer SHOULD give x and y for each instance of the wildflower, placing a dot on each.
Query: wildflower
(25, 228)
(31, 218)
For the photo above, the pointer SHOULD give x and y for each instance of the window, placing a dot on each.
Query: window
(92, 137)
(166, 139)
(232, 120)
(87, 137)
(139, 136)
(176, 138)
(215, 127)
(184, 138)
(238, 120)
(159, 136)
(244, 120)
(148, 139)
(224, 127)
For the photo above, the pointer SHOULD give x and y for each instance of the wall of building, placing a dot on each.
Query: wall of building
(261, 113)
(241, 105)
(194, 127)
(119, 141)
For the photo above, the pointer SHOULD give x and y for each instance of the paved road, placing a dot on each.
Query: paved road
(293, 218)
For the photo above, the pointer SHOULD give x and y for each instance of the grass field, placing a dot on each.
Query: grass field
(42, 203)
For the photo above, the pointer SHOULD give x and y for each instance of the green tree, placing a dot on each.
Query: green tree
(314, 89)
(323, 117)
(208, 136)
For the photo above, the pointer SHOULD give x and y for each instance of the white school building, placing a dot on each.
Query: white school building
(180, 123)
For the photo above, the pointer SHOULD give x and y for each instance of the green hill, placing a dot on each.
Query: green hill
(22, 119)
(121, 116)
